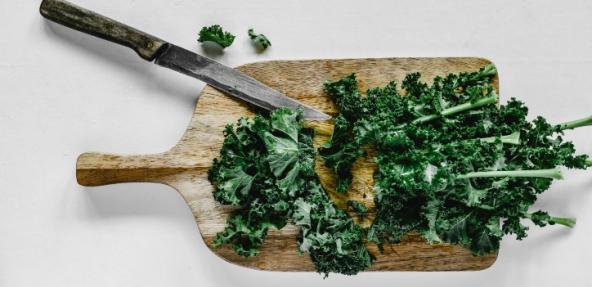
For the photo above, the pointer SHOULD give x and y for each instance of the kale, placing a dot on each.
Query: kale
(339, 153)
(335, 243)
(266, 169)
(358, 208)
(542, 218)
(245, 177)
(347, 97)
(216, 34)
(259, 39)
(450, 164)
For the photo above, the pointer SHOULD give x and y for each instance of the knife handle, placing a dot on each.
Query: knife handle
(78, 18)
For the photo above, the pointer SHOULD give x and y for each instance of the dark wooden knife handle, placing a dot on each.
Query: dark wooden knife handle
(78, 18)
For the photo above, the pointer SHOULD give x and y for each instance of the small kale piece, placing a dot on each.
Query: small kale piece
(259, 39)
(216, 34)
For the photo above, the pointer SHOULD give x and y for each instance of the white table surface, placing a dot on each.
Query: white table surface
(63, 93)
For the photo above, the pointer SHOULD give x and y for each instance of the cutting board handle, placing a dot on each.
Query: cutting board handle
(94, 169)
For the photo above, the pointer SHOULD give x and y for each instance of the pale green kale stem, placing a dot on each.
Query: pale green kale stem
(458, 109)
(513, 138)
(565, 221)
(587, 121)
(544, 173)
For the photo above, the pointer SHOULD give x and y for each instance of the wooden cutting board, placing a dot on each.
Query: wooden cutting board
(184, 167)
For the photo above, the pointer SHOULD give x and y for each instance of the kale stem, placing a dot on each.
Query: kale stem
(513, 138)
(587, 121)
(565, 221)
(458, 109)
(589, 163)
(545, 173)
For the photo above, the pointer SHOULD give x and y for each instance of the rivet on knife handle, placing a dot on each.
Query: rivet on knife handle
(70, 15)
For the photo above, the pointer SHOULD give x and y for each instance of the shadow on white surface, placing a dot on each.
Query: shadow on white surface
(566, 196)
(212, 50)
(142, 72)
(134, 199)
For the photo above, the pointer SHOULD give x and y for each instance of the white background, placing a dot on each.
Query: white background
(63, 93)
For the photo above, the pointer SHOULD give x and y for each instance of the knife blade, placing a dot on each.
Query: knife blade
(150, 48)
(230, 80)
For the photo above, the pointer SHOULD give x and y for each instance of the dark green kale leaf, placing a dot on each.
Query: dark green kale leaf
(347, 97)
(259, 39)
(262, 168)
(283, 152)
(335, 243)
(246, 235)
(339, 153)
(216, 34)
(266, 169)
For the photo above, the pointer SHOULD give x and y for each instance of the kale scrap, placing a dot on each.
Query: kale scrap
(216, 34)
(259, 39)
(266, 169)
(451, 165)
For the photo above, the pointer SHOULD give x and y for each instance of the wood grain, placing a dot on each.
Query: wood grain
(185, 166)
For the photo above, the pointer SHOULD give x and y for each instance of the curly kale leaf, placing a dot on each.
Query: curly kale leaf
(262, 168)
(266, 168)
(236, 184)
(335, 243)
(347, 97)
(247, 237)
(283, 151)
(259, 39)
(216, 34)
(340, 153)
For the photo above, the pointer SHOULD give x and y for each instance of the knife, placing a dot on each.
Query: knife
(151, 48)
